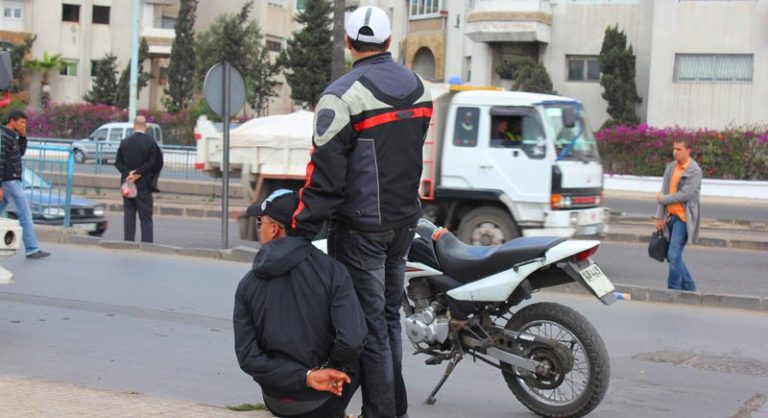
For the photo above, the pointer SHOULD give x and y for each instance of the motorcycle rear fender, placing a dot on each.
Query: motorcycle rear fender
(498, 287)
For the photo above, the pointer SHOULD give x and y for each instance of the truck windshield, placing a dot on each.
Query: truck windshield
(584, 146)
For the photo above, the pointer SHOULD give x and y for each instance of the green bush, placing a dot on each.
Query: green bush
(733, 153)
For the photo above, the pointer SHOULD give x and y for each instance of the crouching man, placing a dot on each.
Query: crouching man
(299, 328)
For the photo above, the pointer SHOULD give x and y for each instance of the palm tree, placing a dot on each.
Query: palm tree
(43, 66)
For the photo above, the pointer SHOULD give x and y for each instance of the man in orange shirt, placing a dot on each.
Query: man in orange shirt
(678, 212)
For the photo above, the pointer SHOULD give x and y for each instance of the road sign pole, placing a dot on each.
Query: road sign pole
(225, 162)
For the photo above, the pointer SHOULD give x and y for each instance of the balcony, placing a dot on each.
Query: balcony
(510, 21)
(160, 40)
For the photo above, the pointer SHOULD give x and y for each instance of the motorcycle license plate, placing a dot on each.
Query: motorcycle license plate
(597, 280)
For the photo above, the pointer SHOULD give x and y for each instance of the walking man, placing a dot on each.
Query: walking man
(139, 160)
(678, 212)
(364, 176)
(299, 328)
(14, 144)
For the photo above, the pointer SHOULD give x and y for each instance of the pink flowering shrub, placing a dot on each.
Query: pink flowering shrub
(77, 121)
(733, 153)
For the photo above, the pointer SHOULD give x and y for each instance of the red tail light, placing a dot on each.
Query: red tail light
(198, 136)
(584, 255)
(199, 166)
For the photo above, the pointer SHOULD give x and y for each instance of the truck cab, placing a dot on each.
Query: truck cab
(503, 164)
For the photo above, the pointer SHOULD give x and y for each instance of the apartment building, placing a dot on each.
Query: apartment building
(83, 31)
(700, 63)
(276, 21)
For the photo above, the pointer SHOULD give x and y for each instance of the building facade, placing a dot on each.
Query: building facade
(699, 63)
(82, 31)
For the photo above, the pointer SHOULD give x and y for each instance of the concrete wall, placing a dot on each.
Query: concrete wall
(708, 27)
(579, 29)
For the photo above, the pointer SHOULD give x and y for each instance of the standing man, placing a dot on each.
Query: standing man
(678, 212)
(13, 147)
(139, 159)
(299, 328)
(364, 176)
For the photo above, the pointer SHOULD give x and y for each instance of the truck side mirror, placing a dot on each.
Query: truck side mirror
(569, 117)
(6, 71)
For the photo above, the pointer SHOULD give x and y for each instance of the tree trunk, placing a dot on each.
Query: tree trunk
(337, 58)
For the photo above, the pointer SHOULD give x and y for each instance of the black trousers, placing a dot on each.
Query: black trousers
(142, 203)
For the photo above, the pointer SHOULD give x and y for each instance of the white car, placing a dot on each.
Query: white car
(103, 143)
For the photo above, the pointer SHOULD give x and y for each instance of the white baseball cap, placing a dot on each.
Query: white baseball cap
(372, 18)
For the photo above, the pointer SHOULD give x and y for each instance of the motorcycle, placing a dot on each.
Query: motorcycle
(460, 301)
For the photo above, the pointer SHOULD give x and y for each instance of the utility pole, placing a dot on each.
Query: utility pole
(134, 75)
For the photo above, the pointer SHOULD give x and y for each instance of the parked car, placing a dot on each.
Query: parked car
(103, 143)
(48, 206)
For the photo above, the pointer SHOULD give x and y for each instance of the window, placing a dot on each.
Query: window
(94, 67)
(100, 15)
(425, 8)
(70, 12)
(301, 5)
(467, 69)
(515, 128)
(116, 134)
(163, 76)
(168, 22)
(274, 45)
(713, 68)
(13, 10)
(465, 133)
(581, 68)
(69, 68)
(99, 135)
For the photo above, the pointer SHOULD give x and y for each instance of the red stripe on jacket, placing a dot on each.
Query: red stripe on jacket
(373, 121)
(307, 182)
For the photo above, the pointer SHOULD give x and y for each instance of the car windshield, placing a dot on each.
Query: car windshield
(32, 180)
(577, 143)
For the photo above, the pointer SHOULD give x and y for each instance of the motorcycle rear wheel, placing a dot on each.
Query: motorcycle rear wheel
(583, 387)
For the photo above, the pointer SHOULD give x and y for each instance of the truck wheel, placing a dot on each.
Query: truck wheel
(487, 226)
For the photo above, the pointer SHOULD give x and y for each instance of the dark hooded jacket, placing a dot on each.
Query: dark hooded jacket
(12, 149)
(294, 311)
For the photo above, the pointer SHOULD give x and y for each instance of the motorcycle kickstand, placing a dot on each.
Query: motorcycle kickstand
(455, 359)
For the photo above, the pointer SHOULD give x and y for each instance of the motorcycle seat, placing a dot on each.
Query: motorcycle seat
(467, 263)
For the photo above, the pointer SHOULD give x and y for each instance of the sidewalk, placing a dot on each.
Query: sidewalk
(23, 398)
(712, 233)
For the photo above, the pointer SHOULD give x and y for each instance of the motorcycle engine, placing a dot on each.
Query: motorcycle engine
(428, 324)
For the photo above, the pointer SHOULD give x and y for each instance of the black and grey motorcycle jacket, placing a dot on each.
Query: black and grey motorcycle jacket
(366, 161)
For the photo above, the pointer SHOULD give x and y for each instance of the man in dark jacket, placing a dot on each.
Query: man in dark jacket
(13, 147)
(364, 174)
(298, 325)
(139, 160)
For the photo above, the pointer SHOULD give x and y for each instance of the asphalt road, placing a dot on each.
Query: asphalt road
(160, 325)
(716, 270)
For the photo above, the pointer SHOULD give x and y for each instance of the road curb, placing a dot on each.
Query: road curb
(648, 294)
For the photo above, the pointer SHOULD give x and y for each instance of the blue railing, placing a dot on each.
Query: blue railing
(100, 158)
(47, 181)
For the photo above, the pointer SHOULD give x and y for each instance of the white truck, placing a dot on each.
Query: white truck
(497, 164)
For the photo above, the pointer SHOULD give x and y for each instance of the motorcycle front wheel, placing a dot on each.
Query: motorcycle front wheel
(578, 390)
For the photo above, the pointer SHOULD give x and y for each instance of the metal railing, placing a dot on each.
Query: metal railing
(47, 181)
(179, 160)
